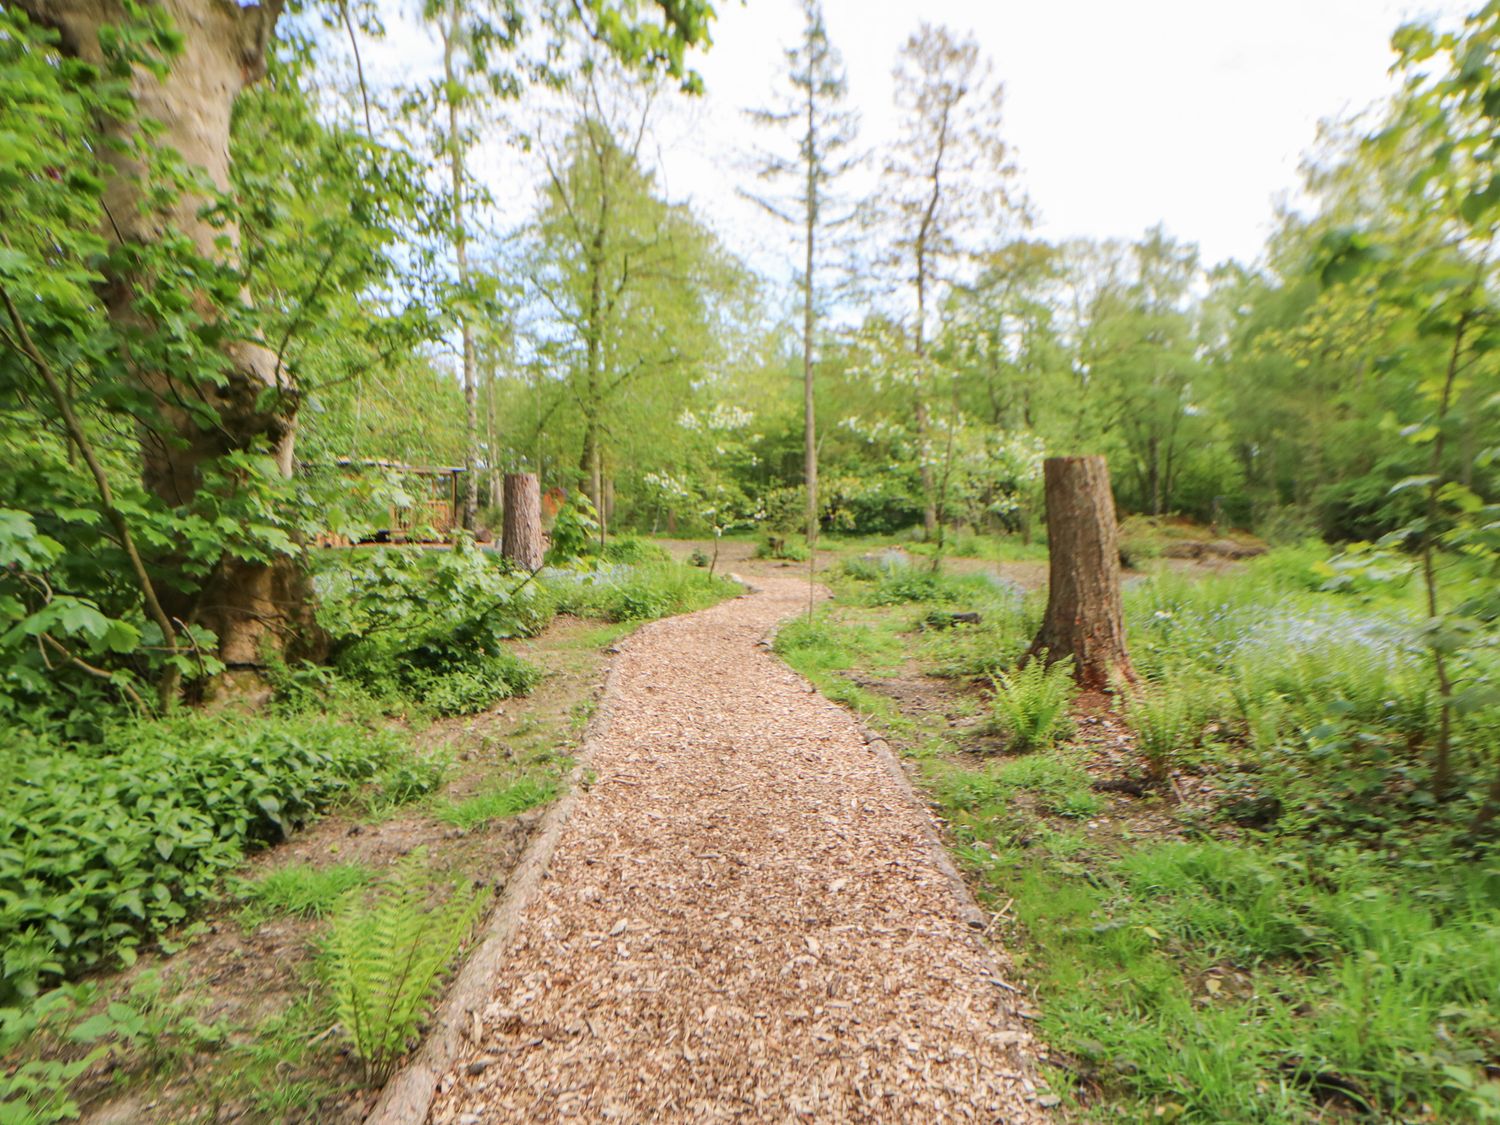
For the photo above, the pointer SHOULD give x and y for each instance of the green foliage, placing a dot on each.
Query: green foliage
(979, 652)
(618, 592)
(1276, 979)
(103, 845)
(1161, 720)
(303, 890)
(574, 531)
(1030, 705)
(1331, 690)
(782, 547)
(428, 627)
(634, 550)
(35, 1091)
(1054, 779)
(385, 956)
(497, 802)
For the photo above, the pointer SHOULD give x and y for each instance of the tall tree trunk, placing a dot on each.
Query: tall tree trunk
(1084, 619)
(809, 426)
(496, 498)
(521, 542)
(461, 256)
(249, 604)
(929, 486)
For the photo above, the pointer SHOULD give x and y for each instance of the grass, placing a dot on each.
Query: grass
(302, 890)
(497, 803)
(1337, 960)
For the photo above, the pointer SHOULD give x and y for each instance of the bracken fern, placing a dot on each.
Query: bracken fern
(385, 956)
(1030, 705)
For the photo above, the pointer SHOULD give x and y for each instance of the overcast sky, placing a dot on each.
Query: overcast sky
(1190, 112)
(1194, 113)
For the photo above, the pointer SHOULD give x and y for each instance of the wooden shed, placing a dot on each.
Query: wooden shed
(434, 489)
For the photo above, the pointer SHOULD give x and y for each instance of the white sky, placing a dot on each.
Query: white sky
(1190, 112)
(1194, 113)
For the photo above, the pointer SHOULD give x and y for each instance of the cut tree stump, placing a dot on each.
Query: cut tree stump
(521, 540)
(1083, 620)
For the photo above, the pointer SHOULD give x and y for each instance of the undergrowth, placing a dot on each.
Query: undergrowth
(1030, 704)
(1312, 938)
(636, 592)
(105, 845)
(385, 955)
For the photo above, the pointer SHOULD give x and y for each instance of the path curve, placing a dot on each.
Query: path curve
(742, 922)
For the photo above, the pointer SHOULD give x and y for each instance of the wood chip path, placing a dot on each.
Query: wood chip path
(743, 920)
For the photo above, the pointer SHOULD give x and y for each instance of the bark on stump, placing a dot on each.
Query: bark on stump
(521, 540)
(1084, 619)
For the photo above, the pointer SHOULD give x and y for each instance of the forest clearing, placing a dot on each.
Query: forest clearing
(542, 579)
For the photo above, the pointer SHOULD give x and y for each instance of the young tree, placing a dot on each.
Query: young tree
(946, 184)
(822, 130)
(628, 280)
(151, 217)
(1141, 350)
(1431, 260)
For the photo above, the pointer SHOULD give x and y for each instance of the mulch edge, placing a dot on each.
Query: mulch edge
(407, 1097)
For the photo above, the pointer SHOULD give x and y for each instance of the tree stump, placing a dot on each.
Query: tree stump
(1083, 620)
(521, 540)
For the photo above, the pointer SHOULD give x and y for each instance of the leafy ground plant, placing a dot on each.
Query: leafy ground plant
(385, 956)
(102, 846)
(1161, 720)
(1030, 704)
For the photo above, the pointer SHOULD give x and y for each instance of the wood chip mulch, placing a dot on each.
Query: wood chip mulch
(742, 922)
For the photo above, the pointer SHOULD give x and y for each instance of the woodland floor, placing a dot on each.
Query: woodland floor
(251, 980)
(743, 920)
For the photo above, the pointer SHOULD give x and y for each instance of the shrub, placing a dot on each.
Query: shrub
(384, 958)
(1030, 705)
(102, 845)
(430, 626)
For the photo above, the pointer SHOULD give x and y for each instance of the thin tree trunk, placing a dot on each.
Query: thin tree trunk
(522, 539)
(1442, 766)
(809, 419)
(1084, 619)
(461, 256)
(496, 498)
(929, 500)
(809, 427)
